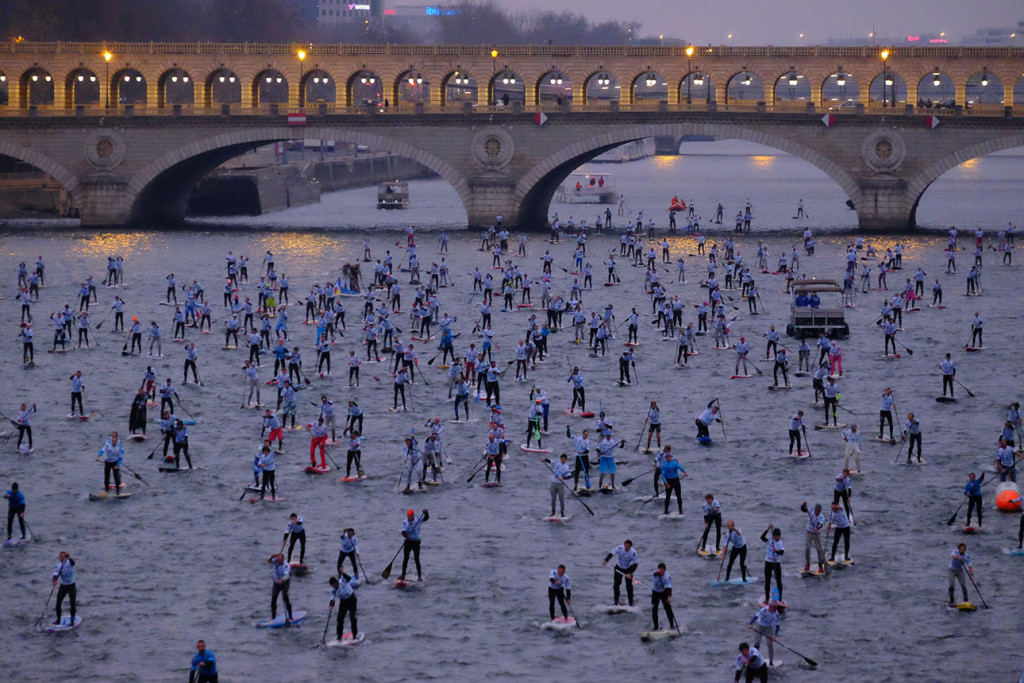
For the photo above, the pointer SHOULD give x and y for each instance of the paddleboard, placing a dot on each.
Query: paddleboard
(137, 437)
(352, 479)
(558, 519)
(253, 487)
(1015, 552)
(491, 485)
(577, 413)
(268, 499)
(527, 449)
(800, 455)
(298, 616)
(299, 569)
(103, 495)
(402, 583)
(649, 636)
(559, 624)
(809, 572)
(974, 348)
(12, 543)
(973, 529)
(633, 344)
(708, 555)
(585, 492)
(945, 399)
(705, 440)
(963, 606)
(620, 609)
(740, 376)
(78, 417)
(735, 582)
(66, 624)
(411, 491)
(915, 462)
(172, 470)
(773, 387)
(841, 425)
(891, 442)
(840, 564)
(672, 515)
(316, 470)
(347, 640)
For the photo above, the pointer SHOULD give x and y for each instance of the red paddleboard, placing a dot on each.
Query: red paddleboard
(609, 284)
(525, 305)
(576, 413)
(974, 348)
(352, 479)
(317, 470)
(740, 376)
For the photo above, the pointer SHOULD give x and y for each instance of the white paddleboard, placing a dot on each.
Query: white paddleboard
(649, 636)
(298, 616)
(347, 640)
(559, 624)
(66, 624)
(620, 609)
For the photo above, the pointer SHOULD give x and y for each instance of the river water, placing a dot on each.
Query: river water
(184, 559)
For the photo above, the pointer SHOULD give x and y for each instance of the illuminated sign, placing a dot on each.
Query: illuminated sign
(913, 39)
(938, 40)
(390, 13)
(358, 7)
(441, 12)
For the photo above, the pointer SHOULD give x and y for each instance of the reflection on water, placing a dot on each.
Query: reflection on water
(762, 160)
(115, 243)
(315, 245)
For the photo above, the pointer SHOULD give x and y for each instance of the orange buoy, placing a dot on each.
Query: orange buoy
(1005, 498)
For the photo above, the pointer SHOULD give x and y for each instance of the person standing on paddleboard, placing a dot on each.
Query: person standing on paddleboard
(843, 489)
(751, 661)
(282, 578)
(670, 474)
(796, 426)
(343, 593)
(411, 545)
(77, 387)
(851, 437)
(626, 561)
(204, 665)
(295, 530)
(65, 574)
(23, 424)
(712, 515)
(16, 508)
(912, 430)
(959, 568)
(560, 473)
(773, 561)
(766, 623)
(709, 415)
(661, 593)
(885, 414)
(815, 520)
(841, 522)
(350, 550)
(560, 589)
(112, 455)
(948, 368)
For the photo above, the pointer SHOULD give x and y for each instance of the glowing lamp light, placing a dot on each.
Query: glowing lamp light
(81, 78)
(841, 79)
(792, 80)
(984, 80)
(937, 79)
(698, 79)
(888, 80)
(221, 79)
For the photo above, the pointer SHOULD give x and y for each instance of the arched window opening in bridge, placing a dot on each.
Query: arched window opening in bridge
(318, 88)
(176, 87)
(984, 90)
(840, 90)
(223, 87)
(36, 88)
(412, 88)
(936, 90)
(744, 88)
(1018, 92)
(696, 87)
(507, 87)
(601, 87)
(792, 86)
(365, 88)
(82, 87)
(888, 89)
(555, 88)
(459, 87)
(649, 87)
(4, 98)
(269, 87)
(128, 87)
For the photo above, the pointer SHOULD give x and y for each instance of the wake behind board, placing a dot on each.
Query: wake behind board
(298, 616)
(559, 624)
(650, 636)
(66, 624)
(620, 609)
(347, 640)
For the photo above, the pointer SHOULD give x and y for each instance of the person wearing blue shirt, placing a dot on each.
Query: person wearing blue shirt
(772, 561)
(751, 661)
(712, 515)
(344, 594)
(766, 623)
(959, 565)
(349, 549)
(560, 589)
(661, 593)
(204, 665)
(734, 538)
(885, 414)
(948, 368)
(77, 387)
(626, 560)
(972, 490)
(15, 508)
(670, 471)
(112, 455)
(411, 534)
(282, 578)
(65, 574)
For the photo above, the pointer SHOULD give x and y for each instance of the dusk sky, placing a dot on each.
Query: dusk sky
(781, 23)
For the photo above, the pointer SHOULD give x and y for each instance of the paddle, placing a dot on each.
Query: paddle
(810, 662)
(134, 474)
(969, 392)
(977, 589)
(386, 574)
(367, 576)
(753, 364)
(725, 551)
(636, 448)
(568, 604)
(721, 418)
(39, 620)
(100, 324)
(323, 639)
(909, 350)
(629, 481)
(547, 463)
(185, 409)
(806, 440)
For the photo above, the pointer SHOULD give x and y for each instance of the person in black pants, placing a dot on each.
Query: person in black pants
(411, 545)
(282, 572)
(712, 515)
(560, 589)
(734, 538)
(65, 573)
(343, 592)
(661, 593)
(751, 661)
(295, 531)
(15, 508)
(772, 564)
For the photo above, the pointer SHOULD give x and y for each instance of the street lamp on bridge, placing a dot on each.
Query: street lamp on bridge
(301, 54)
(885, 77)
(106, 77)
(689, 75)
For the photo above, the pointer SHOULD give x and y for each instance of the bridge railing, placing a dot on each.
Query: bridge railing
(315, 111)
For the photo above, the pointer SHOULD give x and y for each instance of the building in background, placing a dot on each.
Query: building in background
(335, 13)
(1012, 36)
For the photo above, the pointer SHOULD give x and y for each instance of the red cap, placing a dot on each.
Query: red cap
(410, 512)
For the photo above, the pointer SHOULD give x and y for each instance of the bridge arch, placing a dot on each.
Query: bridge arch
(159, 191)
(4, 89)
(600, 86)
(128, 86)
(936, 87)
(537, 186)
(648, 86)
(175, 86)
(459, 86)
(984, 87)
(61, 174)
(364, 87)
(791, 86)
(506, 87)
(919, 184)
(554, 86)
(696, 86)
(81, 86)
(318, 86)
(744, 86)
(411, 88)
(888, 88)
(222, 87)
(269, 86)
(840, 86)
(36, 88)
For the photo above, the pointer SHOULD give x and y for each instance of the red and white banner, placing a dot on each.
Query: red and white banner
(540, 118)
(933, 121)
(828, 120)
(296, 119)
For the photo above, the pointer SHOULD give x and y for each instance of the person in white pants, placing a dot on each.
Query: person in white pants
(852, 438)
